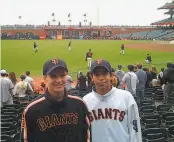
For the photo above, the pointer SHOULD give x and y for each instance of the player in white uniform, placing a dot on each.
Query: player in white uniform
(113, 113)
(89, 55)
(122, 49)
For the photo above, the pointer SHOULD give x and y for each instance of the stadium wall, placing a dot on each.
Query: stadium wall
(67, 32)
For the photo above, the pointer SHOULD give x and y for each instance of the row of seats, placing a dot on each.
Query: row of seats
(152, 34)
(11, 122)
(157, 121)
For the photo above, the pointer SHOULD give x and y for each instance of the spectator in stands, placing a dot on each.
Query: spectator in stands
(169, 81)
(12, 77)
(135, 69)
(131, 80)
(142, 77)
(119, 74)
(42, 87)
(149, 78)
(29, 79)
(153, 72)
(6, 89)
(81, 82)
(89, 80)
(148, 59)
(160, 76)
(68, 82)
(22, 87)
(114, 79)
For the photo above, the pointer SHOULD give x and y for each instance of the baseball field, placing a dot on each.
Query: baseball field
(18, 55)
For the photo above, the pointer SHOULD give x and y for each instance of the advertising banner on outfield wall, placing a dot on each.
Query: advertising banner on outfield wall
(81, 37)
(59, 37)
(42, 37)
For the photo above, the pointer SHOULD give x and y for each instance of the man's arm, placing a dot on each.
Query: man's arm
(134, 121)
(11, 87)
(123, 79)
(26, 132)
(86, 56)
(166, 74)
(87, 126)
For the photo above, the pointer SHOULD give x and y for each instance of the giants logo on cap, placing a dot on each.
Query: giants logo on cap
(55, 61)
(99, 61)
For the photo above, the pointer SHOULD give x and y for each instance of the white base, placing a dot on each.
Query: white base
(172, 42)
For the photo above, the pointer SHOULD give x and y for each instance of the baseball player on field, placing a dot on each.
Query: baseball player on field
(35, 47)
(113, 113)
(69, 46)
(89, 58)
(122, 49)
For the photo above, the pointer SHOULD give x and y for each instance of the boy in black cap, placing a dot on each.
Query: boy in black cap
(55, 116)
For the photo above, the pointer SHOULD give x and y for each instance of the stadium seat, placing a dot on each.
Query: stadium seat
(13, 106)
(17, 137)
(158, 95)
(144, 140)
(147, 110)
(171, 130)
(6, 138)
(156, 134)
(158, 140)
(74, 92)
(168, 119)
(161, 109)
(171, 98)
(83, 93)
(151, 121)
(146, 103)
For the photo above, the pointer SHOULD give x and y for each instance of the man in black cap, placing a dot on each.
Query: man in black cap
(113, 112)
(55, 116)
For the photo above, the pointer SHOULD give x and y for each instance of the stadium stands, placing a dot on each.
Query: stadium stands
(139, 34)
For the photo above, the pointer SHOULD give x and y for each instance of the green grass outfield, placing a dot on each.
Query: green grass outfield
(19, 56)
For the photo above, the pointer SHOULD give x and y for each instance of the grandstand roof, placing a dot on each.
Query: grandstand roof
(171, 12)
(168, 21)
(168, 6)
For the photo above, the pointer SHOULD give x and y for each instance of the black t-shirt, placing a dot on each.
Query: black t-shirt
(69, 44)
(153, 75)
(169, 75)
(149, 58)
(89, 77)
(122, 47)
(82, 82)
(47, 120)
(89, 54)
(35, 45)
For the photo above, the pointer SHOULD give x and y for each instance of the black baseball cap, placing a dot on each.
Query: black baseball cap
(101, 63)
(50, 65)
